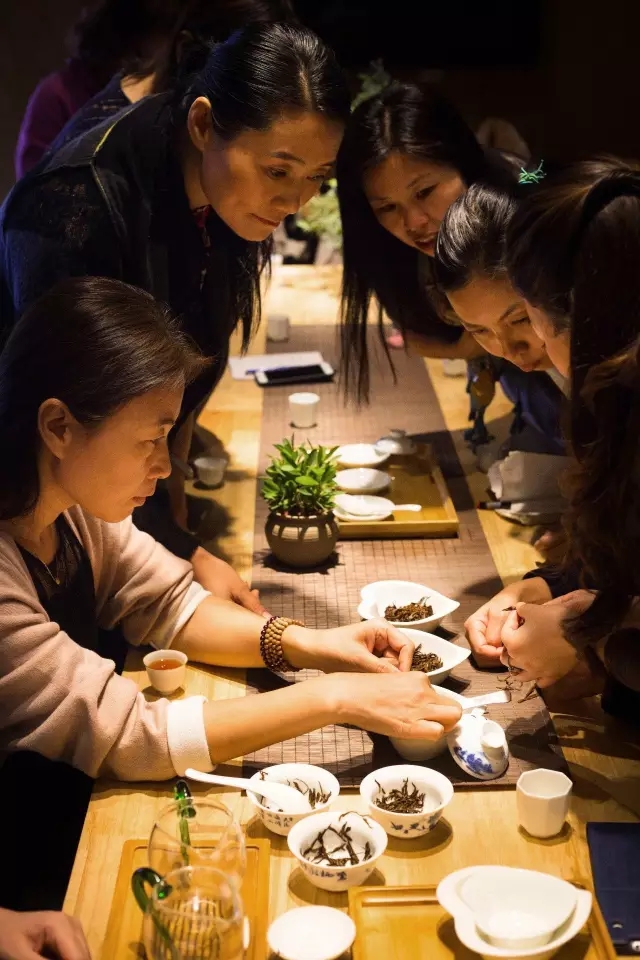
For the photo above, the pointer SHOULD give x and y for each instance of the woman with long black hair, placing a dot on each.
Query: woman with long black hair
(179, 195)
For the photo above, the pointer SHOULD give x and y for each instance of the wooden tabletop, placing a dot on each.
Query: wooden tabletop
(479, 826)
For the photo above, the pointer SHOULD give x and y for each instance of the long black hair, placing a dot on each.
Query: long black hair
(258, 74)
(416, 120)
(472, 239)
(93, 343)
(573, 251)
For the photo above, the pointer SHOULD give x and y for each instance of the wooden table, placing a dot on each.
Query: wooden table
(480, 825)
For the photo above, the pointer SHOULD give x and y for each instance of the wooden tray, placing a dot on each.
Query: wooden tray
(124, 930)
(414, 479)
(403, 923)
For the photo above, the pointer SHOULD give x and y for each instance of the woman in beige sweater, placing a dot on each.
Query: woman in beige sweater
(91, 381)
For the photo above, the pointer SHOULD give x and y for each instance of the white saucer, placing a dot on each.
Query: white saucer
(363, 480)
(311, 933)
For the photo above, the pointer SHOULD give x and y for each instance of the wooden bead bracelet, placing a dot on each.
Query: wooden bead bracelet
(271, 644)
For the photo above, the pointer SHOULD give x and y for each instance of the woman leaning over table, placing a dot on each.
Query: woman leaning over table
(180, 195)
(91, 381)
(573, 252)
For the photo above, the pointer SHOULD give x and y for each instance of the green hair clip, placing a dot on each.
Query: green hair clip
(532, 176)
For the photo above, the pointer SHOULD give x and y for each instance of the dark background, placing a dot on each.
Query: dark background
(565, 72)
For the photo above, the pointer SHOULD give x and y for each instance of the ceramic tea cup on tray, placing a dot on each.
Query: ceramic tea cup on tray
(190, 913)
(506, 912)
(337, 851)
(318, 785)
(378, 596)
(425, 793)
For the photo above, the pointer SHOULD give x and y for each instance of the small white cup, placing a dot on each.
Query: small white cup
(303, 409)
(543, 798)
(166, 681)
(210, 470)
(278, 325)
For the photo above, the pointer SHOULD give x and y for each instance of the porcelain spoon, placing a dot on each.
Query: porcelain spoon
(290, 799)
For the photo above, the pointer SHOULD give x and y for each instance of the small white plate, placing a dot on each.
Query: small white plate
(363, 480)
(311, 933)
(406, 592)
(360, 455)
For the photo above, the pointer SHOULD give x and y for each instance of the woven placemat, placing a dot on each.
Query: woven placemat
(459, 567)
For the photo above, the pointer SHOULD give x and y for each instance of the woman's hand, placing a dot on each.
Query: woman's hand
(534, 640)
(27, 936)
(373, 646)
(397, 705)
(223, 582)
(484, 627)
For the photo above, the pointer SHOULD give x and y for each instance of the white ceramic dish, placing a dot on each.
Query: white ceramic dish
(281, 822)
(363, 480)
(450, 653)
(338, 879)
(166, 681)
(437, 789)
(374, 595)
(475, 893)
(360, 455)
(364, 507)
(311, 933)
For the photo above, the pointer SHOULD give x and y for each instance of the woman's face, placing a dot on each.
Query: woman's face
(497, 317)
(256, 180)
(111, 468)
(558, 345)
(410, 197)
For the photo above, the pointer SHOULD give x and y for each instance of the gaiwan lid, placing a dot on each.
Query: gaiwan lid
(311, 933)
(397, 442)
(479, 746)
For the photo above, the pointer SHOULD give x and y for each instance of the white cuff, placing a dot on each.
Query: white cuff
(186, 735)
(162, 639)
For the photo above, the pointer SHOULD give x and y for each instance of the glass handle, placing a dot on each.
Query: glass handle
(142, 878)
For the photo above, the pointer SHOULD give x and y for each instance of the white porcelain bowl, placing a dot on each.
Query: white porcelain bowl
(281, 822)
(363, 830)
(360, 455)
(376, 597)
(437, 789)
(363, 480)
(421, 750)
(507, 912)
(450, 653)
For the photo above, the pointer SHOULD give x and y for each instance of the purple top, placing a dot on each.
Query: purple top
(54, 101)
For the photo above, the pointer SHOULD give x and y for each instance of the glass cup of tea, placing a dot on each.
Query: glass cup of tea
(194, 913)
(197, 832)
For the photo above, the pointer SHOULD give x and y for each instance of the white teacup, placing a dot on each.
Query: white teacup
(303, 409)
(210, 470)
(543, 798)
(166, 679)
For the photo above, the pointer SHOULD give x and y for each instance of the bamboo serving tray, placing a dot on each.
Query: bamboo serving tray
(408, 923)
(414, 479)
(123, 940)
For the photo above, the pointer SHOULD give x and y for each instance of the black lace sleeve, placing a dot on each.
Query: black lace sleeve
(57, 227)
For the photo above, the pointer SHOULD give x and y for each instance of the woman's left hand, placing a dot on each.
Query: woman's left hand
(373, 646)
(534, 639)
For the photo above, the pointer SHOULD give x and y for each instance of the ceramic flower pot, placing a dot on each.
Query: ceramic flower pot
(302, 541)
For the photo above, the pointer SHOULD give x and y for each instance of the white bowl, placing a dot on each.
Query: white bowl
(421, 750)
(166, 681)
(311, 933)
(360, 455)
(474, 896)
(210, 470)
(372, 596)
(363, 480)
(281, 822)
(437, 789)
(450, 653)
(378, 596)
(337, 879)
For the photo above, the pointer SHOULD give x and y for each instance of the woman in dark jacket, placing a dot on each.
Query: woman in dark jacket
(179, 196)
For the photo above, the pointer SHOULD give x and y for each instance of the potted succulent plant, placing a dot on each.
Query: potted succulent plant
(299, 486)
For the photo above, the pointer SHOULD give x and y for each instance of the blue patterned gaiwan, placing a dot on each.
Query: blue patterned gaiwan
(479, 746)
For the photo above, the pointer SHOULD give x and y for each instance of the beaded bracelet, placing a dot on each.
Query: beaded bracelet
(271, 643)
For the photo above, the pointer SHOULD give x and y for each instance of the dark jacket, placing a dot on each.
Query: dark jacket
(112, 203)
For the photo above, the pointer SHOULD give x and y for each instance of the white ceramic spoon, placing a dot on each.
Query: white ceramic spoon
(367, 506)
(290, 799)
(485, 699)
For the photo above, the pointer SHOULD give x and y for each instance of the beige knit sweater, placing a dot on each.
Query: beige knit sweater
(68, 703)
